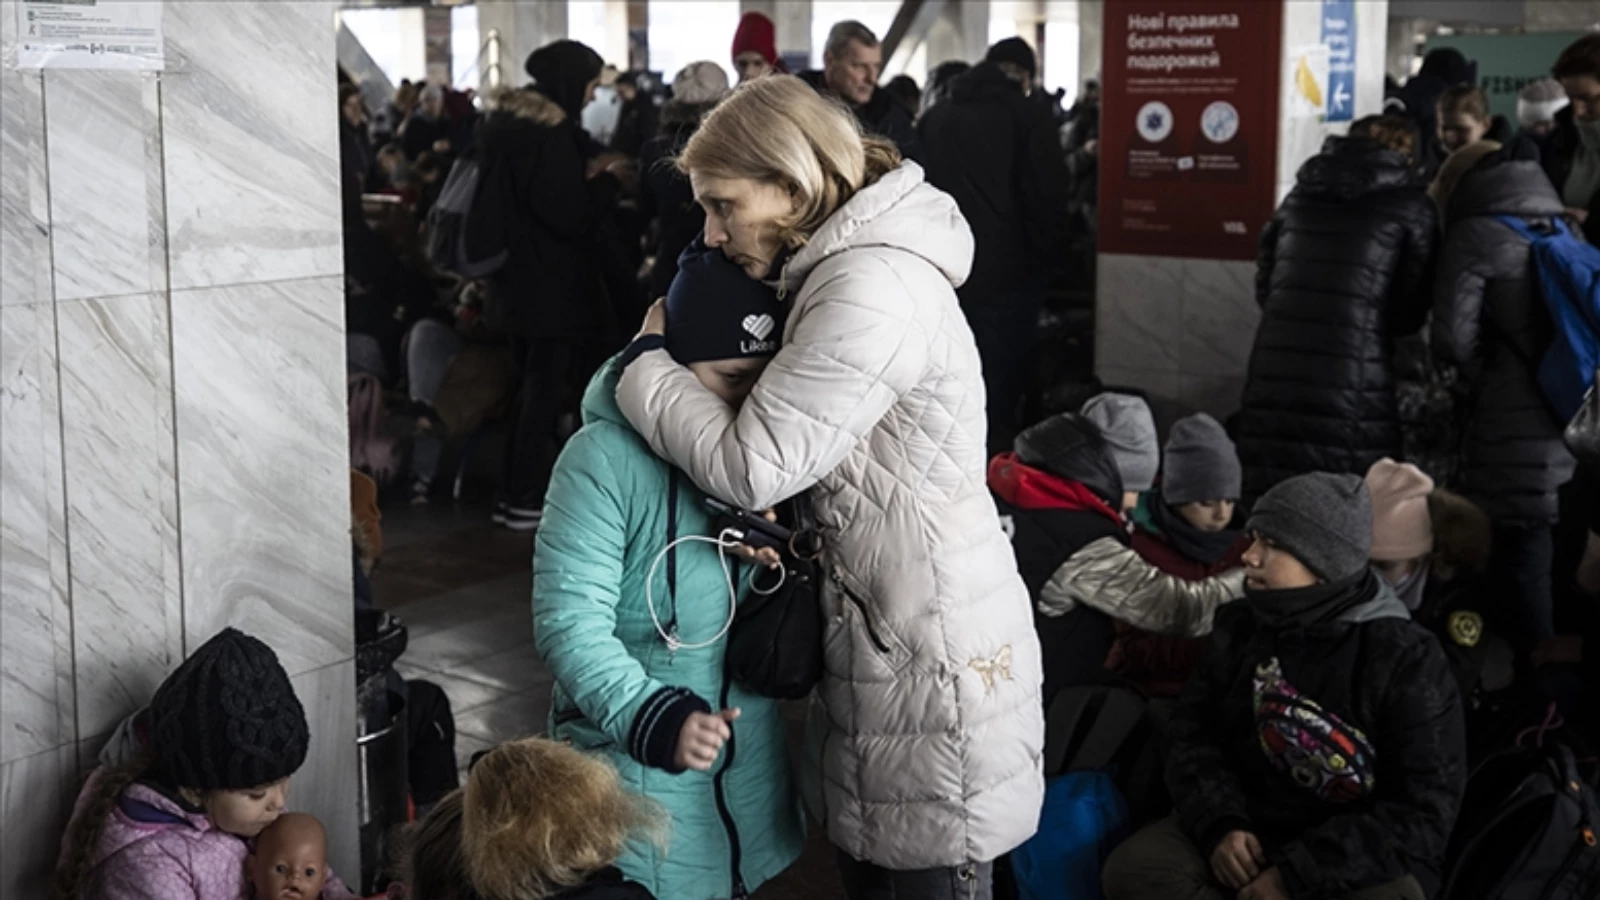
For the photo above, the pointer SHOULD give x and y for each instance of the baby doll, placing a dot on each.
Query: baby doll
(290, 859)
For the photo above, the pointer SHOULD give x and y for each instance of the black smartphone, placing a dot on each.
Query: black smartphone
(752, 528)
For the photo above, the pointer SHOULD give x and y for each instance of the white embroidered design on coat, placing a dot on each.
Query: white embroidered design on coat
(1000, 667)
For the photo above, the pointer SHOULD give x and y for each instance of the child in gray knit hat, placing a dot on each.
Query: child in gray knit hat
(1130, 431)
(1319, 711)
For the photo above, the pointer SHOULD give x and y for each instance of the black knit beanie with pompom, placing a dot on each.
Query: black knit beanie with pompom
(228, 718)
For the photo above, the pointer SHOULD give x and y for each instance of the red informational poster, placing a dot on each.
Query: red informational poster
(1189, 126)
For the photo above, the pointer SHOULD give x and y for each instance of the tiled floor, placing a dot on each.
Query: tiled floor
(463, 589)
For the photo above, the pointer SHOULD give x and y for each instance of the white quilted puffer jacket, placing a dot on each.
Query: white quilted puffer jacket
(927, 730)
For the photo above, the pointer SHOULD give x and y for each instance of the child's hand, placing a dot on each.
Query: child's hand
(701, 739)
(765, 557)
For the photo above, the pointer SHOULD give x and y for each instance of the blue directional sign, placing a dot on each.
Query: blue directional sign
(1339, 33)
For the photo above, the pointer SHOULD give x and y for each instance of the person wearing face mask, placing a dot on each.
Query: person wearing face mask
(1572, 154)
(631, 603)
(1184, 527)
(549, 215)
(1429, 545)
(1318, 751)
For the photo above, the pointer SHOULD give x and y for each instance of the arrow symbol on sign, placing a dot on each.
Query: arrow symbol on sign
(1341, 97)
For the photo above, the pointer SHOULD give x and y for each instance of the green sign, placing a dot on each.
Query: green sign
(1507, 62)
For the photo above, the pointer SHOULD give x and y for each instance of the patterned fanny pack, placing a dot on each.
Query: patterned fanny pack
(1324, 754)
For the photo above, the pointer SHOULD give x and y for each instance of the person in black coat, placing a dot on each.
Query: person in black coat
(999, 155)
(851, 64)
(638, 122)
(1058, 493)
(428, 127)
(1491, 326)
(1319, 750)
(1442, 69)
(551, 289)
(1344, 270)
(1572, 152)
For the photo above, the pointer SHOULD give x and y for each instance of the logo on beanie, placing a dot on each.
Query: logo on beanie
(759, 326)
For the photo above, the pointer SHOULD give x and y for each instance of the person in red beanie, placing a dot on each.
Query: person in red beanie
(755, 48)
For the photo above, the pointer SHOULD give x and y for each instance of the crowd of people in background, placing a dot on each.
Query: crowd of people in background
(1307, 629)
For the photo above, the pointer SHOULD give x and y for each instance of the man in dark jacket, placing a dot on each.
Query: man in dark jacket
(1490, 324)
(638, 122)
(1058, 493)
(999, 155)
(665, 195)
(1344, 270)
(551, 289)
(1318, 752)
(851, 63)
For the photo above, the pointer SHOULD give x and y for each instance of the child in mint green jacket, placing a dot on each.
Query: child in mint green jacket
(665, 713)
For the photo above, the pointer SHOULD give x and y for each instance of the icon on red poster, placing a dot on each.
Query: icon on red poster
(1155, 121)
(1220, 122)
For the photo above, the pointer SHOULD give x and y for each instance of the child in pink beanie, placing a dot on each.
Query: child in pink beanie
(1402, 531)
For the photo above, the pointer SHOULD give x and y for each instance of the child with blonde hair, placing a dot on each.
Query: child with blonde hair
(537, 820)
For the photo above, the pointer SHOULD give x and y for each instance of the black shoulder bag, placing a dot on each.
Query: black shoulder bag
(1583, 432)
(775, 644)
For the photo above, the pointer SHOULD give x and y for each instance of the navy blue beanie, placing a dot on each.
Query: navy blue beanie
(716, 311)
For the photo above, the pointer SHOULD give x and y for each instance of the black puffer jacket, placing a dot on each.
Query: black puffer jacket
(1490, 322)
(1345, 267)
(1375, 670)
(998, 154)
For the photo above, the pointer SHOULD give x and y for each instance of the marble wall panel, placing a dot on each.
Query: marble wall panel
(250, 124)
(24, 199)
(36, 795)
(126, 615)
(98, 125)
(264, 465)
(328, 786)
(1219, 318)
(1137, 321)
(36, 688)
(1161, 390)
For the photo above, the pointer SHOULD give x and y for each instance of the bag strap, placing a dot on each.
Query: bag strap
(1533, 235)
(672, 549)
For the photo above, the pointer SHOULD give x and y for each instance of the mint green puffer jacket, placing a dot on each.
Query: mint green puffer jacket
(620, 691)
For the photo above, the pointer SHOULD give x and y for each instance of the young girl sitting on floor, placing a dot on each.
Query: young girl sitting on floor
(226, 732)
(537, 820)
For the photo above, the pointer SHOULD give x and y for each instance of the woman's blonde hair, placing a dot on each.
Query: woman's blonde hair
(779, 131)
(538, 817)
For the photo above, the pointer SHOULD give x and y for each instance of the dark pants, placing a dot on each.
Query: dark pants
(1161, 863)
(865, 881)
(531, 445)
(1524, 556)
(1004, 330)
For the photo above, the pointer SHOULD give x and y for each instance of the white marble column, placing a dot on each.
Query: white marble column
(961, 32)
(172, 416)
(1181, 329)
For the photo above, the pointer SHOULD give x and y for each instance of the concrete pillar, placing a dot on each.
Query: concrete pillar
(173, 449)
(523, 26)
(1181, 328)
(436, 43)
(1091, 24)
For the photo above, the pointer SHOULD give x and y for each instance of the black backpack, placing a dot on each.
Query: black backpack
(466, 231)
(1526, 830)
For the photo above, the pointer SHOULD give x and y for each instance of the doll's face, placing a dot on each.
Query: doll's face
(290, 861)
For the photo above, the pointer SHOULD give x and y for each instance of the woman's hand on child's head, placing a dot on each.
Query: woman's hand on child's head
(701, 739)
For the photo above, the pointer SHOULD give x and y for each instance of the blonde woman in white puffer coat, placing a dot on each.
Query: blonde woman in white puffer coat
(926, 734)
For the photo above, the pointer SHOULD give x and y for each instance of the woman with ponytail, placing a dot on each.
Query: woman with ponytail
(924, 757)
(226, 732)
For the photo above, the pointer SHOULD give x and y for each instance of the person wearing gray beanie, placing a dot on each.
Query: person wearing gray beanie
(1322, 520)
(1319, 709)
(1130, 431)
(1201, 463)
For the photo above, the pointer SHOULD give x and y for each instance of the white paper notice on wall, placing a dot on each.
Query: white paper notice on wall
(89, 34)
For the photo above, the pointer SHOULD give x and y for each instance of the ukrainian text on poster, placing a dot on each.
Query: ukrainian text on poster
(1188, 126)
